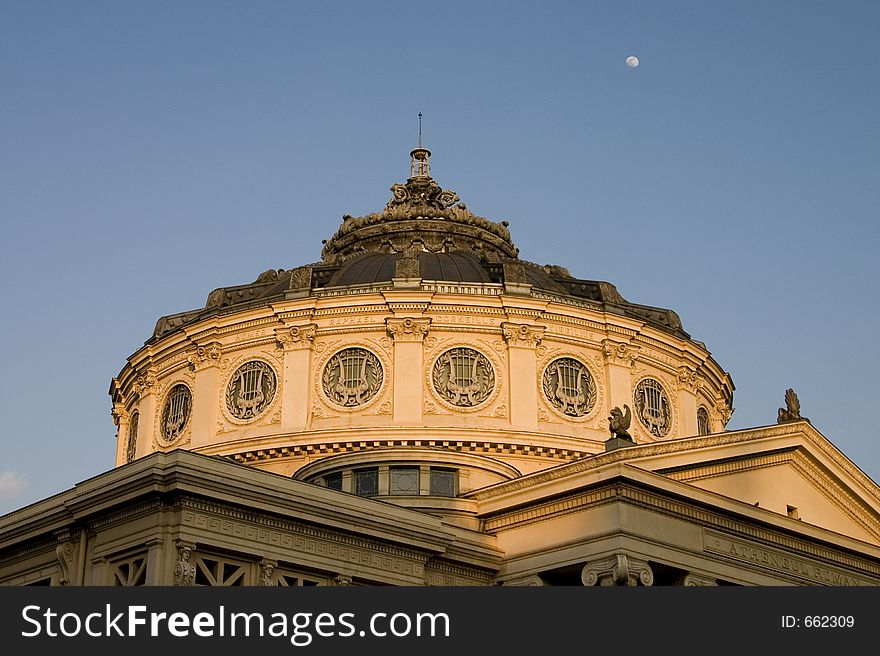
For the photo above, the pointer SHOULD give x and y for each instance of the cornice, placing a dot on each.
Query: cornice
(663, 447)
(352, 446)
(616, 492)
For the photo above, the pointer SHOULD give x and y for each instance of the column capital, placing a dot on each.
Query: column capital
(620, 353)
(119, 413)
(408, 329)
(145, 382)
(618, 569)
(202, 356)
(522, 335)
(296, 337)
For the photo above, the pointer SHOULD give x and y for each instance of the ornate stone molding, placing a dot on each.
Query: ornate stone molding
(296, 337)
(620, 353)
(522, 335)
(201, 357)
(408, 329)
(184, 570)
(619, 569)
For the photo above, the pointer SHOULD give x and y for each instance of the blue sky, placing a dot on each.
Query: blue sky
(153, 151)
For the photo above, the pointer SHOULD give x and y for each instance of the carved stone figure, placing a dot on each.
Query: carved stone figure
(619, 422)
(792, 409)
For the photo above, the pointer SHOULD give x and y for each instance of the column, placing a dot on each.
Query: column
(297, 343)
(408, 334)
(522, 340)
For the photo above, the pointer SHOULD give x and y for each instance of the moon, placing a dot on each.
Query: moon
(632, 62)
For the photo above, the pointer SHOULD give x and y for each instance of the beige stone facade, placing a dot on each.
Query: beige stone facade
(423, 407)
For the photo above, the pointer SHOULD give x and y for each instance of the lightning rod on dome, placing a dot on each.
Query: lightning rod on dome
(421, 166)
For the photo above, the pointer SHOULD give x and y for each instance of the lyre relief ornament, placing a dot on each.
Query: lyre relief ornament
(352, 377)
(463, 377)
(250, 390)
(569, 387)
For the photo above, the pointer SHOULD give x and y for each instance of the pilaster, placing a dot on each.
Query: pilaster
(145, 386)
(204, 361)
(620, 358)
(522, 340)
(408, 334)
(297, 342)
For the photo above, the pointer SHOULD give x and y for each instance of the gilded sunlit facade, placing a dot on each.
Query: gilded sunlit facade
(423, 406)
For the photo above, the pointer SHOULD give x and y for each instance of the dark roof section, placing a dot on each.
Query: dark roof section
(378, 268)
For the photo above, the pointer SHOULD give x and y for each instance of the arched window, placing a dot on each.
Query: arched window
(702, 421)
(131, 447)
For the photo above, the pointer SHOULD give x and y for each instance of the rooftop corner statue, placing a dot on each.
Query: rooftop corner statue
(792, 409)
(422, 406)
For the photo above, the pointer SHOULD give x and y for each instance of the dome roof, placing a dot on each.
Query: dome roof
(424, 232)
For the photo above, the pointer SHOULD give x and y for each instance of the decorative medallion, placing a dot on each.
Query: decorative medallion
(250, 390)
(569, 387)
(463, 377)
(652, 407)
(176, 412)
(352, 377)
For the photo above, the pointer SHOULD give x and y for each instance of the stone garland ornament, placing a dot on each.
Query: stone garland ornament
(653, 407)
(463, 377)
(250, 390)
(352, 377)
(175, 414)
(569, 387)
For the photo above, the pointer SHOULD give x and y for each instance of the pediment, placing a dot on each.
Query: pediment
(797, 475)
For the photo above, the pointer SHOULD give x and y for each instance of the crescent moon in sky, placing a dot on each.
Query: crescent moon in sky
(632, 62)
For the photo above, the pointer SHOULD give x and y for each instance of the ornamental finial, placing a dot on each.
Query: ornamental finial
(421, 165)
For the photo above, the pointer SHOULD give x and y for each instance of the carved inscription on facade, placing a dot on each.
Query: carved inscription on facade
(777, 560)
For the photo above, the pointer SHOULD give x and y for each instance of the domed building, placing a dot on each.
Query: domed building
(423, 406)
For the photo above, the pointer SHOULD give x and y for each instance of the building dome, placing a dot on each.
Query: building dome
(419, 359)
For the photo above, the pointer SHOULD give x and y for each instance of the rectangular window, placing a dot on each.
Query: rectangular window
(334, 481)
(443, 482)
(404, 480)
(366, 482)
